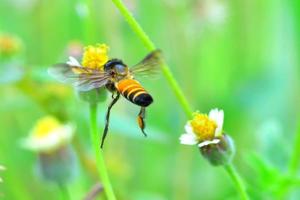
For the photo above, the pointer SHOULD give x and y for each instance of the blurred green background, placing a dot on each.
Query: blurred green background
(241, 56)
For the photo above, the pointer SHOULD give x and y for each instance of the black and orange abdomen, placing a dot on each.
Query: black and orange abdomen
(134, 92)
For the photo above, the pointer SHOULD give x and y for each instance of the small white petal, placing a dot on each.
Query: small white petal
(73, 62)
(207, 142)
(188, 139)
(188, 128)
(217, 116)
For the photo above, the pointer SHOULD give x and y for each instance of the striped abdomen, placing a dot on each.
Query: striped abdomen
(134, 92)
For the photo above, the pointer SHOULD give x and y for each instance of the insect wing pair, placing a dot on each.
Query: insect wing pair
(85, 79)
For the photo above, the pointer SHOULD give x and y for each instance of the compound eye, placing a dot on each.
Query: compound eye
(121, 69)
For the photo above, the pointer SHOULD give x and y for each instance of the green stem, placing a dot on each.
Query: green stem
(295, 158)
(99, 156)
(64, 191)
(237, 181)
(150, 46)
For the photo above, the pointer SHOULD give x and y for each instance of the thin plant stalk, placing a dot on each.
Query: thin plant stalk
(108, 190)
(238, 182)
(150, 46)
(175, 86)
(65, 195)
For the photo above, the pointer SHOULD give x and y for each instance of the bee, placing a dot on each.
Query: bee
(117, 78)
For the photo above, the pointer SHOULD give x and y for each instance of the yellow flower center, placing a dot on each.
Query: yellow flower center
(45, 126)
(95, 57)
(203, 127)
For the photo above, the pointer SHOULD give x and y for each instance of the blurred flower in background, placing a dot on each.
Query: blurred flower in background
(10, 45)
(11, 68)
(211, 12)
(51, 141)
(74, 49)
(48, 135)
(1, 169)
(1, 180)
(208, 15)
(23, 5)
(82, 9)
(131, 5)
(206, 131)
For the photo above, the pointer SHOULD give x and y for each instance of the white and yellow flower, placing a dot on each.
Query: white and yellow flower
(94, 57)
(204, 129)
(48, 135)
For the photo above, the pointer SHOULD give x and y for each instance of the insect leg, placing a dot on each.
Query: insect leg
(114, 100)
(140, 119)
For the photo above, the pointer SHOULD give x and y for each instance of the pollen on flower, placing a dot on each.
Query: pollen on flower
(45, 126)
(203, 127)
(95, 57)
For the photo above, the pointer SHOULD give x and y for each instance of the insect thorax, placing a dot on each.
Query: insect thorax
(117, 69)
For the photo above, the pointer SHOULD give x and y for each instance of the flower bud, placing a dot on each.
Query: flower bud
(220, 153)
(51, 140)
(58, 166)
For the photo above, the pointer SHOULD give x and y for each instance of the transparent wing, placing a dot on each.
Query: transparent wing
(149, 66)
(81, 78)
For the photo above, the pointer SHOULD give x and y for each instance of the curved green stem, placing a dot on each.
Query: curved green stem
(150, 46)
(99, 156)
(174, 85)
(237, 180)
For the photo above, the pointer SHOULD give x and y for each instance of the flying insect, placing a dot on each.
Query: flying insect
(117, 78)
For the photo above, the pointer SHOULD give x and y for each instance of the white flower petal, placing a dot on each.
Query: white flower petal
(188, 139)
(217, 116)
(188, 128)
(207, 142)
(73, 62)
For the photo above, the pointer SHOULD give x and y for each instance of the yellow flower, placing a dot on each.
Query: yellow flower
(204, 129)
(95, 57)
(48, 135)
